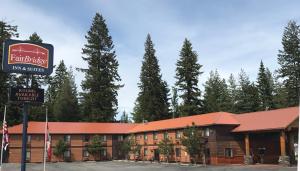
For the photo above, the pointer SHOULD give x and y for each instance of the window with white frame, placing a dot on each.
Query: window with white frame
(154, 135)
(85, 152)
(166, 135)
(103, 137)
(228, 152)
(178, 134)
(103, 152)
(67, 138)
(207, 132)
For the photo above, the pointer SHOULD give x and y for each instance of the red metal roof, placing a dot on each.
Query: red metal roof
(74, 128)
(218, 118)
(266, 120)
(254, 121)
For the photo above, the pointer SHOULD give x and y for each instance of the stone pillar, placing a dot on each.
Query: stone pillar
(247, 158)
(283, 158)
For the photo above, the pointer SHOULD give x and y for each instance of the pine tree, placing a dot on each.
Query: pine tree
(124, 118)
(174, 103)
(289, 61)
(34, 37)
(233, 93)
(280, 94)
(152, 102)
(66, 107)
(55, 84)
(187, 74)
(265, 88)
(216, 96)
(101, 78)
(37, 80)
(7, 31)
(248, 97)
(37, 112)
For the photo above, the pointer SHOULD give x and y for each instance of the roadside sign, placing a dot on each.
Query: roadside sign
(27, 57)
(33, 95)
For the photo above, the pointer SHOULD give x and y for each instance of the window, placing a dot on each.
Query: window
(85, 152)
(145, 151)
(67, 154)
(207, 132)
(28, 139)
(67, 138)
(228, 152)
(103, 152)
(178, 134)
(202, 132)
(120, 138)
(86, 138)
(145, 137)
(178, 152)
(103, 138)
(28, 154)
(166, 135)
(154, 135)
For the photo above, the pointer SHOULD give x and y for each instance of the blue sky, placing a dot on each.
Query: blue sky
(227, 35)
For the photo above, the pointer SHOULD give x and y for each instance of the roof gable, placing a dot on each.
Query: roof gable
(266, 120)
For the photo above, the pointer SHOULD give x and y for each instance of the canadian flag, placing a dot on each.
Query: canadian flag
(48, 142)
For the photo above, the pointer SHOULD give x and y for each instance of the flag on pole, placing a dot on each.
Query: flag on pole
(48, 142)
(5, 140)
(5, 136)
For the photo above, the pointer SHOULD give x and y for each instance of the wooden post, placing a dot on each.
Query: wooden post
(247, 146)
(282, 143)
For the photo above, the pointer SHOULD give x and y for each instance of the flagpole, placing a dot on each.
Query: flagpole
(2, 137)
(45, 150)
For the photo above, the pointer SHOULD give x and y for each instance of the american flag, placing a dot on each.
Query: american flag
(48, 142)
(5, 136)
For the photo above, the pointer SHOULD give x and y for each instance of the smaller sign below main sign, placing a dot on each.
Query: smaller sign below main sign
(34, 95)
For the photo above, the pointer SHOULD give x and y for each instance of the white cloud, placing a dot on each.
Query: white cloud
(66, 40)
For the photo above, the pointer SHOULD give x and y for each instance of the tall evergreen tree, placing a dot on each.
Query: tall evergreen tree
(66, 107)
(55, 84)
(101, 78)
(233, 93)
(216, 96)
(280, 94)
(289, 61)
(37, 80)
(152, 102)
(124, 118)
(187, 74)
(37, 113)
(7, 31)
(174, 103)
(248, 97)
(265, 88)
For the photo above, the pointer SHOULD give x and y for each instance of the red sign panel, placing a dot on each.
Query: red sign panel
(25, 53)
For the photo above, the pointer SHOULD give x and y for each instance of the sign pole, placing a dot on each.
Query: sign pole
(24, 135)
(26, 57)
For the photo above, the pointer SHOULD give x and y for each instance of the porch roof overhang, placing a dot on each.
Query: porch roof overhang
(266, 121)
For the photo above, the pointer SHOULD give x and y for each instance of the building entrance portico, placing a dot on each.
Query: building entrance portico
(271, 147)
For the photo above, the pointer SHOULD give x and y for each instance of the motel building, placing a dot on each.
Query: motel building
(269, 137)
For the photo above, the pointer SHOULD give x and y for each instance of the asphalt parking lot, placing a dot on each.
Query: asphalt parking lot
(139, 166)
